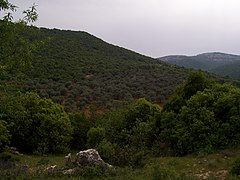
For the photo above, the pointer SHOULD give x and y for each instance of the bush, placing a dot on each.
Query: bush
(95, 136)
(208, 119)
(107, 151)
(197, 81)
(81, 126)
(194, 130)
(37, 125)
(128, 156)
(130, 133)
(141, 111)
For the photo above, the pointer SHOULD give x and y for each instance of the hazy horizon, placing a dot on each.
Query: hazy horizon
(155, 27)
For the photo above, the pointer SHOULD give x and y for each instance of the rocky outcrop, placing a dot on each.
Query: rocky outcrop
(90, 157)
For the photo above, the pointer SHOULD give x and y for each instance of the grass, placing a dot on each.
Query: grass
(213, 166)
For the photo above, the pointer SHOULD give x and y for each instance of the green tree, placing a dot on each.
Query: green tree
(197, 81)
(141, 111)
(15, 49)
(36, 124)
(209, 120)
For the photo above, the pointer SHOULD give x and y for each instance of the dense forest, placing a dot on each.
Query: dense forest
(77, 69)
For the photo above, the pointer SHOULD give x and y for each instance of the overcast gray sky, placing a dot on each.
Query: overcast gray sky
(151, 27)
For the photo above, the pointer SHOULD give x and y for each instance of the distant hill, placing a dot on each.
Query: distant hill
(219, 63)
(77, 69)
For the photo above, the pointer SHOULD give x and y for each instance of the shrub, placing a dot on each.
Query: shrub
(81, 126)
(130, 133)
(207, 120)
(95, 136)
(197, 81)
(107, 151)
(37, 125)
(141, 111)
(128, 156)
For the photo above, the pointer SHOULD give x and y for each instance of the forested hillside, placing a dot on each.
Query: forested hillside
(77, 69)
(219, 63)
(231, 70)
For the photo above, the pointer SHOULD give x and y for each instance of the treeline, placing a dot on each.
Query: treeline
(202, 116)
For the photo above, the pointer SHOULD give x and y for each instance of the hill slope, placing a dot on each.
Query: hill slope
(231, 70)
(77, 69)
(211, 62)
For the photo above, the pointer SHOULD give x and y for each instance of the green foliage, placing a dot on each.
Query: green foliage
(197, 81)
(15, 49)
(193, 130)
(37, 125)
(207, 120)
(139, 123)
(31, 14)
(95, 136)
(130, 133)
(81, 125)
(107, 151)
(4, 135)
(235, 168)
(6, 5)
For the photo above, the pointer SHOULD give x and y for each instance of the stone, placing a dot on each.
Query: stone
(68, 159)
(51, 168)
(90, 157)
(69, 171)
(13, 150)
